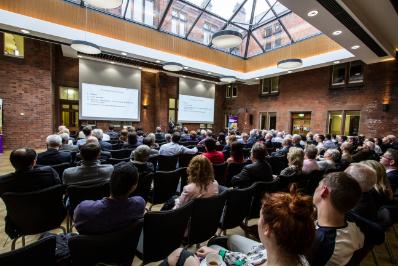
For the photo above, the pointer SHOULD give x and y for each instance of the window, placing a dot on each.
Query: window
(178, 22)
(14, 45)
(270, 85)
(66, 93)
(278, 41)
(142, 11)
(268, 31)
(267, 120)
(231, 91)
(277, 28)
(208, 31)
(173, 109)
(348, 73)
(268, 44)
(69, 107)
(344, 122)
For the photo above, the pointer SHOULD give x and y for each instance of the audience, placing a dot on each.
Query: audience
(328, 143)
(174, 148)
(66, 146)
(201, 182)
(141, 157)
(236, 154)
(286, 144)
(310, 163)
(330, 158)
(366, 152)
(159, 135)
(346, 148)
(87, 133)
(390, 161)
(53, 155)
(215, 157)
(27, 177)
(99, 134)
(90, 171)
(295, 158)
(285, 228)
(123, 138)
(132, 142)
(335, 239)
(112, 133)
(259, 170)
(366, 178)
(116, 211)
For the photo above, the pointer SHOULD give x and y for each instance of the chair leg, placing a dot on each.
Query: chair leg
(63, 229)
(395, 231)
(390, 253)
(374, 258)
(14, 241)
(23, 241)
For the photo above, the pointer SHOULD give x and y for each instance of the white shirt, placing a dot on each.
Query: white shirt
(172, 148)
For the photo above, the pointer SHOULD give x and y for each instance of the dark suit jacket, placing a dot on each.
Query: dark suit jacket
(53, 157)
(393, 177)
(258, 171)
(105, 146)
(282, 152)
(366, 207)
(26, 181)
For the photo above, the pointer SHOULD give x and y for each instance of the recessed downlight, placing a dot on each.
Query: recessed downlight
(290, 72)
(79, 56)
(337, 32)
(123, 53)
(140, 68)
(185, 67)
(355, 47)
(184, 76)
(336, 62)
(112, 62)
(209, 73)
(257, 78)
(25, 31)
(312, 13)
(158, 61)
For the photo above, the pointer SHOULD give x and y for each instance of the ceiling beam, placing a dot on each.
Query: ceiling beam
(234, 14)
(272, 20)
(197, 19)
(250, 27)
(165, 14)
(280, 22)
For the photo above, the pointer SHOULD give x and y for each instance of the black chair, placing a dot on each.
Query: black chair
(60, 168)
(259, 190)
(121, 154)
(277, 164)
(115, 161)
(144, 185)
(246, 152)
(205, 219)
(167, 163)
(34, 212)
(154, 160)
(116, 144)
(163, 232)
(183, 178)
(237, 207)
(118, 247)
(386, 220)
(184, 159)
(41, 252)
(313, 180)
(165, 185)
(232, 170)
(219, 173)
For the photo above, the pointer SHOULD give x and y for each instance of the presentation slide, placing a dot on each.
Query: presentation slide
(193, 109)
(109, 103)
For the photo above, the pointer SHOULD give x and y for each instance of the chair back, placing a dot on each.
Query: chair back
(277, 164)
(260, 189)
(163, 232)
(121, 154)
(232, 170)
(154, 160)
(118, 247)
(165, 185)
(184, 159)
(60, 168)
(246, 152)
(41, 252)
(116, 144)
(144, 185)
(205, 219)
(35, 212)
(115, 161)
(237, 206)
(80, 193)
(313, 180)
(167, 163)
(219, 172)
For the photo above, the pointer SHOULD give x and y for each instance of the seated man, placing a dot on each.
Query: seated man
(215, 157)
(286, 144)
(390, 161)
(331, 158)
(87, 133)
(174, 148)
(27, 177)
(159, 135)
(53, 155)
(105, 155)
(310, 163)
(335, 239)
(366, 178)
(140, 161)
(259, 170)
(90, 171)
(116, 211)
(66, 145)
(99, 134)
(112, 133)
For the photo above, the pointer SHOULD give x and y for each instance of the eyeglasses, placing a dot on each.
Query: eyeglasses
(383, 156)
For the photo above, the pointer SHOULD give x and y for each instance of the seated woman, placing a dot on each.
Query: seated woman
(236, 155)
(381, 192)
(295, 157)
(286, 231)
(123, 135)
(201, 181)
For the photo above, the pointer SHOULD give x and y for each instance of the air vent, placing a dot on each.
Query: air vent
(337, 11)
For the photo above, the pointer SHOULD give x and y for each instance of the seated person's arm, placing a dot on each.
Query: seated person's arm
(242, 178)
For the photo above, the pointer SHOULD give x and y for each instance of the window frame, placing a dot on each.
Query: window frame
(179, 21)
(4, 46)
(343, 114)
(269, 91)
(231, 91)
(267, 116)
(346, 83)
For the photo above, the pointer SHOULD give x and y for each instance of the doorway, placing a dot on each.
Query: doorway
(301, 123)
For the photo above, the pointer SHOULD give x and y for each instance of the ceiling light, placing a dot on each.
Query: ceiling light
(85, 47)
(289, 71)
(79, 56)
(158, 61)
(25, 31)
(185, 67)
(337, 32)
(203, 80)
(106, 4)
(123, 53)
(290, 63)
(140, 68)
(112, 62)
(184, 76)
(227, 39)
(209, 73)
(355, 47)
(257, 78)
(312, 13)
(228, 79)
(336, 62)
(172, 66)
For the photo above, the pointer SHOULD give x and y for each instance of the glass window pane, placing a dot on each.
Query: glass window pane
(234, 91)
(335, 120)
(14, 45)
(356, 72)
(76, 120)
(275, 84)
(172, 115)
(172, 103)
(263, 120)
(298, 28)
(197, 33)
(272, 120)
(180, 18)
(63, 93)
(75, 107)
(65, 118)
(266, 86)
(138, 10)
(351, 126)
(148, 12)
(226, 11)
(338, 74)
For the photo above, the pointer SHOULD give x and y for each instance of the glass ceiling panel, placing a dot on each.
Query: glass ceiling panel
(298, 28)
(198, 20)
(224, 9)
(180, 19)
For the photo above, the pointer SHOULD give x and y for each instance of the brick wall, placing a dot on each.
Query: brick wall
(26, 88)
(308, 91)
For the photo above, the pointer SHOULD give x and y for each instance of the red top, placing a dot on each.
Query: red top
(215, 157)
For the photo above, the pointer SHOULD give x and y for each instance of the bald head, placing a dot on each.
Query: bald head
(23, 159)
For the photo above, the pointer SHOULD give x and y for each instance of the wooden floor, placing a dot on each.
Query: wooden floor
(5, 243)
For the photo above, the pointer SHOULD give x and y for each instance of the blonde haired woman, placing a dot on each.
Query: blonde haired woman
(201, 181)
(295, 157)
(381, 192)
